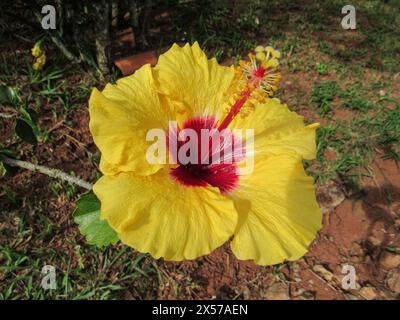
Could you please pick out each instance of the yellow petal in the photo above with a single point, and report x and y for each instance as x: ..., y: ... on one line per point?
x: 278, y: 212
x: 120, y: 118
x: 36, y: 50
x: 157, y: 215
x: 277, y: 130
x: 192, y: 84
x: 36, y: 66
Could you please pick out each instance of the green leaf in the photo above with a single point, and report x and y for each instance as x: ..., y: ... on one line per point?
x: 29, y: 115
x: 87, y: 215
x: 26, y: 127
x: 5, y: 169
x: 9, y: 96
x: 26, y: 131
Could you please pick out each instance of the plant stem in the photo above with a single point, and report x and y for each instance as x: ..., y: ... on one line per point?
x: 102, y: 40
x: 54, y: 173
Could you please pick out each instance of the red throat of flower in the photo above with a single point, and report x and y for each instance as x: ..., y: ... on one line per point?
x: 257, y: 74
x: 221, y: 174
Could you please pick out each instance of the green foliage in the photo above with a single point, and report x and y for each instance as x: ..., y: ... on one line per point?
x: 384, y: 128
x: 87, y: 215
x: 323, y: 95
x: 9, y: 95
x: 354, y: 100
x: 322, y: 68
x: 224, y: 27
x: 325, y: 135
x: 5, y: 169
x: 26, y: 127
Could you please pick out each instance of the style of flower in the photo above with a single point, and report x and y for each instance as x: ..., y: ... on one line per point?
x: 184, y: 211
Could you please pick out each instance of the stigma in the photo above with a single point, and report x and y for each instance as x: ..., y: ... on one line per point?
x: 256, y: 79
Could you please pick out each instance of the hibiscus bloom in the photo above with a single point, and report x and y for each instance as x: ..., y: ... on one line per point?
x: 183, y: 211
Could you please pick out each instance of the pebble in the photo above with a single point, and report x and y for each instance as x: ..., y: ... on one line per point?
x: 278, y: 291
x: 323, y: 272
x: 389, y: 261
x: 368, y: 293
x: 393, y: 281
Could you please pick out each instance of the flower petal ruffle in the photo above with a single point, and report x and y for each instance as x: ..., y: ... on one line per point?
x: 278, y: 212
x: 277, y: 130
x: 157, y: 215
x: 191, y: 83
x: 120, y: 118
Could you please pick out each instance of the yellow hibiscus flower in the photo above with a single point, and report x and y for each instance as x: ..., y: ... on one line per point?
x: 183, y: 211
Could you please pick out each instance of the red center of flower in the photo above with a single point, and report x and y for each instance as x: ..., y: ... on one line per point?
x: 259, y: 72
x: 214, y: 154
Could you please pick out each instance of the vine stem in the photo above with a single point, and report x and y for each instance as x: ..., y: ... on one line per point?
x: 54, y: 173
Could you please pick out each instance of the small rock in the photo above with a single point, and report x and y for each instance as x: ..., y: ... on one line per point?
x: 375, y: 242
x: 368, y: 293
x: 389, y: 261
x: 382, y: 93
x: 393, y: 281
x: 355, y: 259
x: 356, y: 250
x: 246, y: 293
x: 329, y: 196
x: 323, y: 272
x: 349, y: 296
x: 307, y: 295
x: 278, y: 291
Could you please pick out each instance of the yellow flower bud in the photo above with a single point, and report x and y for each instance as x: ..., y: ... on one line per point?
x: 36, y: 50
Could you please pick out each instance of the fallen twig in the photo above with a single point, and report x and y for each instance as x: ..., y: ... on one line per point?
x: 54, y: 173
x: 6, y: 115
